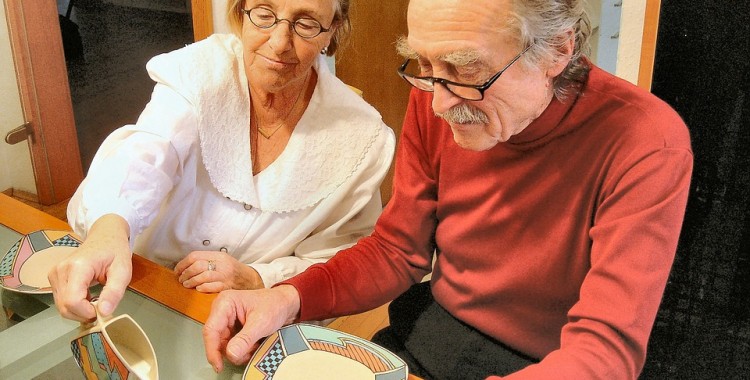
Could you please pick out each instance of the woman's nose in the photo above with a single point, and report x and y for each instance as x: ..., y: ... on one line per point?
x: 282, y: 35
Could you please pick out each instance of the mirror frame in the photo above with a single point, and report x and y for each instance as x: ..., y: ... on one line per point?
x: 648, y: 47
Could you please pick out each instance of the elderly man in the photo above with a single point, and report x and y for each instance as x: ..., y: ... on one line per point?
x: 550, y: 192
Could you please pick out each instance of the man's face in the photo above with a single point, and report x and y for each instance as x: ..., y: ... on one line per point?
x: 463, y: 41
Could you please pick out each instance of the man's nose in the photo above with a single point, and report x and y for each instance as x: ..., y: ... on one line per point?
x: 443, y: 99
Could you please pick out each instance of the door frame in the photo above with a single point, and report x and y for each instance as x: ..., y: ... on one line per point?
x: 36, y: 43
x: 648, y: 44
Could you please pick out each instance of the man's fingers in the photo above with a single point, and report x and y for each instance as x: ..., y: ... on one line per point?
x: 215, y: 340
x: 217, y: 330
x: 227, y: 312
x: 241, y: 346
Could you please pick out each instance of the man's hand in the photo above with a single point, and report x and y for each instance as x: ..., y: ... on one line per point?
x: 259, y: 313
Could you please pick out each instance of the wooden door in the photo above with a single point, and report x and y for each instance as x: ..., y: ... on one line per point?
x: 369, y: 62
x: 45, y: 97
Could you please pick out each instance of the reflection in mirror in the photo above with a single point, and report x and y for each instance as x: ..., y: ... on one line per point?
x: 107, y: 44
x: 623, y: 37
x: 605, y: 32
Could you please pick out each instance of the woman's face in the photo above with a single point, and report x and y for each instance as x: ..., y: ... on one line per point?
x: 277, y: 57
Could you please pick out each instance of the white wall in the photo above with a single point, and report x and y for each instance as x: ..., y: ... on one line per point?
x: 631, y: 39
x: 218, y: 11
x: 15, y: 160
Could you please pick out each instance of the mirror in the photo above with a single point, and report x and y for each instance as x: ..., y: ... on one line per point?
x: 623, y: 37
x: 605, y: 32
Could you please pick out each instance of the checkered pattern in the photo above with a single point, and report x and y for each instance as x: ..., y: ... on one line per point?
x: 66, y: 241
x: 271, y: 360
x: 76, y: 352
x: 6, y: 265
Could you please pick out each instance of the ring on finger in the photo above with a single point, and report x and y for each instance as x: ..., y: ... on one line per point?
x: 211, y: 265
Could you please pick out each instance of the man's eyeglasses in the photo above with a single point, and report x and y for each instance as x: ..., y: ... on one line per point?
x: 264, y: 18
x: 462, y: 90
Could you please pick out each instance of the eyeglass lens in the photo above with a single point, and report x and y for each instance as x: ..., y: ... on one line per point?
x: 264, y: 18
x: 465, y: 91
x: 468, y: 92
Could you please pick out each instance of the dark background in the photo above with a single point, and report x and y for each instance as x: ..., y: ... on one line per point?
x: 702, y: 330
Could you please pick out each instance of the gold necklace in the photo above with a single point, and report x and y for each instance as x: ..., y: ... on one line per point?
x: 263, y: 131
x: 269, y: 132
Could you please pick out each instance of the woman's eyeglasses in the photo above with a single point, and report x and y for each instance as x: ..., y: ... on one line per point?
x: 265, y: 18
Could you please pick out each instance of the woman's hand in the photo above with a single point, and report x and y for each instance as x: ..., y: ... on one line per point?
x: 103, y: 257
x: 212, y: 272
x: 259, y: 312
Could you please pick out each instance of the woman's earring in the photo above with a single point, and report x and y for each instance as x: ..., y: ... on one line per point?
x: 324, y: 51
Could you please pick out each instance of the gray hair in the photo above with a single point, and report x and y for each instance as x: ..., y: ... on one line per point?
x: 340, y: 20
x: 547, y: 24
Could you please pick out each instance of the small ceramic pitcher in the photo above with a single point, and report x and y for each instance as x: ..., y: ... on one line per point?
x: 114, y: 348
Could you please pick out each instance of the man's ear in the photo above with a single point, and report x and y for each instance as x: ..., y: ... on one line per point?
x: 563, y: 58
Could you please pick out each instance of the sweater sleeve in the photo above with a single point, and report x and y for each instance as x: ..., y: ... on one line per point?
x: 397, y: 255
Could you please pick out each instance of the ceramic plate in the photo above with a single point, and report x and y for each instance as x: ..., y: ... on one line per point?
x: 302, y: 351
x: 25, y: 266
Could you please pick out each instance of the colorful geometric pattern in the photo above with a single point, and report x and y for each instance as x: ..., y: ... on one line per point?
x: 353, y: 350
x: 271, y: 360
x: 96, y: 358
x: 6, y: 264
x: 13, y: 260
x: 66, y: 241
x: 296, y: 339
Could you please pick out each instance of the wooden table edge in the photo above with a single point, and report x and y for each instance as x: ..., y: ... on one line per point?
x: 148, y: 279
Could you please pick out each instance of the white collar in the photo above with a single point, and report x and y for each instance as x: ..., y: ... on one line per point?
x: 326, y: 147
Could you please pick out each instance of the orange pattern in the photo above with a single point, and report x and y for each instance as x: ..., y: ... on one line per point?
x: 353, y: 350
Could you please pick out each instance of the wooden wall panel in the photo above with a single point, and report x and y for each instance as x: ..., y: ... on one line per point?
x: 202, y: 18
x: 369, y: 62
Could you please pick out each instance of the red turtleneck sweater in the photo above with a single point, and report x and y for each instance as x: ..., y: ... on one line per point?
x: 557, y: 243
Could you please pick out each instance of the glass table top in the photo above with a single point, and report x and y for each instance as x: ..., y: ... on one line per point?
x: 35, y: 339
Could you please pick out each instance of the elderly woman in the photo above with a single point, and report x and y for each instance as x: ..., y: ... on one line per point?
x: 250, y: 163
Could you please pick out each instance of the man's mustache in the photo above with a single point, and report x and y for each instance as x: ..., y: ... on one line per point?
x: 464, y: 114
